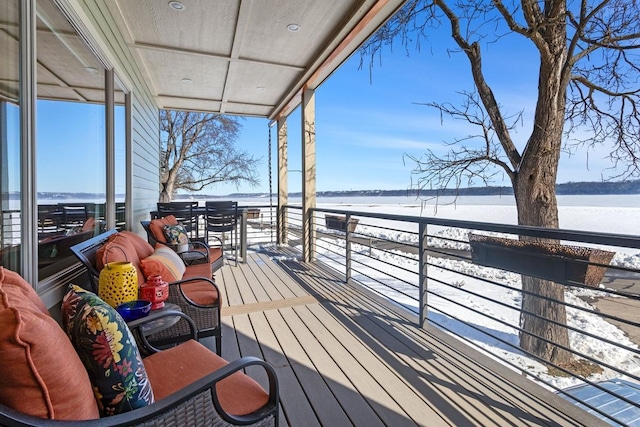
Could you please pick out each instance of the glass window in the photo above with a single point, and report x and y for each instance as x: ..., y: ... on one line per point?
x: 70, y: 132
x: 120, y: 158
x: 9, y: 135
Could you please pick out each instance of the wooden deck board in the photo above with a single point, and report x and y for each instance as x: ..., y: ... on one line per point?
x: 257, y: 285
x: 236, y: 274
x: 330, y: 341
x: 323, y: 402
x: 382, y: 338
x: 345, y: 356
x: 444, y: 372
x: 284, y: 279
x: 228, y: 287
x: 269, y: 279
x: 290, y: 389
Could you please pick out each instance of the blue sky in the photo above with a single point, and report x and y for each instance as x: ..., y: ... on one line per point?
x: 365, y: 122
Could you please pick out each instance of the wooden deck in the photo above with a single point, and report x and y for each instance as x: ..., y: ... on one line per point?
x: 346, y: 357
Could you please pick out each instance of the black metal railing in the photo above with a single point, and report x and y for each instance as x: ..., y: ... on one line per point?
x: 466, y: 278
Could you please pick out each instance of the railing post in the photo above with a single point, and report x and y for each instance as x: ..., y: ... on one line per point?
x: 309, y: 232
x: 422, y: 274
x: 282, y: 225
x: 347, y: 274
x: 243, y: 232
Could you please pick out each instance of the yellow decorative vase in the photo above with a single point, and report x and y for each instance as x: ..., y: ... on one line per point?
x: 118, y: 283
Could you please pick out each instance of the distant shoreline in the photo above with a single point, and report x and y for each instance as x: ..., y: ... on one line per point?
x: 570, y: 188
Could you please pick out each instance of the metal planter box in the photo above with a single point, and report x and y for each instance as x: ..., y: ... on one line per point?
x: 337, y: 222
x: 253, y: 213
x: 559, y: 263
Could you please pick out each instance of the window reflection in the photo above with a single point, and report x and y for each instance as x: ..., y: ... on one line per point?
x: 9, y: 135
x: 70, y: 129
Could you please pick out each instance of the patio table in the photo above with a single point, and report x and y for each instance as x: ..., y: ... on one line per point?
x: 242, y: 215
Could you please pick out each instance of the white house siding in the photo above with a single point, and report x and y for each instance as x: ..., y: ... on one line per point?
x: 145, y: 121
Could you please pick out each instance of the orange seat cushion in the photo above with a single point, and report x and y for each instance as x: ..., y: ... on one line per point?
x: 201, y: 292
x: 197, y: 270
x: 175, y: 368
x: 215, y: 254
x: 41, y: 373
x: 157, y: 227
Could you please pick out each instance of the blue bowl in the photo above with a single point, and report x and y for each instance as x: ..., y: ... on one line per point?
x: 133, y: 310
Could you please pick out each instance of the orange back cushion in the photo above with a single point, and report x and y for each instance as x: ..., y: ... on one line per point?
x: 157, y: 227
x: 164, y: 262
x: 142, y: 247
x: 118, y: 249
x: 41, y: 373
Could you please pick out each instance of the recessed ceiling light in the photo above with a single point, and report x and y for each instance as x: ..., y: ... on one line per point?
x: 92, y: 70
x: 176, y: 5
x: 293, y: 27
x: 186, y: 80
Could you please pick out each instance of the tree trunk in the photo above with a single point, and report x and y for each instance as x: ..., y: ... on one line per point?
x: 167, y: 192
x: 164, y: 197
x: 168, y: 187
x: 535, y: 191
x: 537, y: 206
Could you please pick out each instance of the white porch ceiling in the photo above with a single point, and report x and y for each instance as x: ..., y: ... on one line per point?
x: 239, y: 55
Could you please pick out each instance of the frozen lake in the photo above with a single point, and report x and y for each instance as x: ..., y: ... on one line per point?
x: 604, y: 213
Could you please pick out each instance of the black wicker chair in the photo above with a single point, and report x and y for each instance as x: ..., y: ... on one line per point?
x: 206, y: 317
x: 197, y: 404
x: 198, y: 251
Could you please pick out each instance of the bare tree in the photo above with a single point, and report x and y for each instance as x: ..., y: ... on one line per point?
x: 587, y: 80
x: 198, y: 149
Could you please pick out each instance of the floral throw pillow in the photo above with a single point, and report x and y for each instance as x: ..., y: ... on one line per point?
x: 177, y: 235
x: 108, y: 351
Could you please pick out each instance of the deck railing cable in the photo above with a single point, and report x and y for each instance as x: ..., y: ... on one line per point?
x: 383, y: 252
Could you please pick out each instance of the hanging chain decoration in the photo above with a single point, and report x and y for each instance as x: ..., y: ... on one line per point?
x: 270, y: 189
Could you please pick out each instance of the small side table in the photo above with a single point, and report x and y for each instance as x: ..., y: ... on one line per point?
x: 163, y: 323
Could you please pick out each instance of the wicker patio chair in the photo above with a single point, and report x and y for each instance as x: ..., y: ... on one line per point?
x: 198, y: 251
x: 197, y: 397
x: 206, y: 317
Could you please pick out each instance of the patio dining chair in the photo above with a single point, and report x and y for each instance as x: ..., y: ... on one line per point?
x: 73, y: 214
x: 222, y: 217
x: 49, y: 220
x: 185, y: 212
x: 121, y: 221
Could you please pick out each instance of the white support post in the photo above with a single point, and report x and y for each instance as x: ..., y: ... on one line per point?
x: 308, y: 174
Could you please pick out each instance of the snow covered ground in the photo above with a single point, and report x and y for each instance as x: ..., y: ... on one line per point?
x: 468, y: 306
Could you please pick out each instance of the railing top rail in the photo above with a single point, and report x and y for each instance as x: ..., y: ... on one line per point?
x: 256, y: 206
x: 623, y: 240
